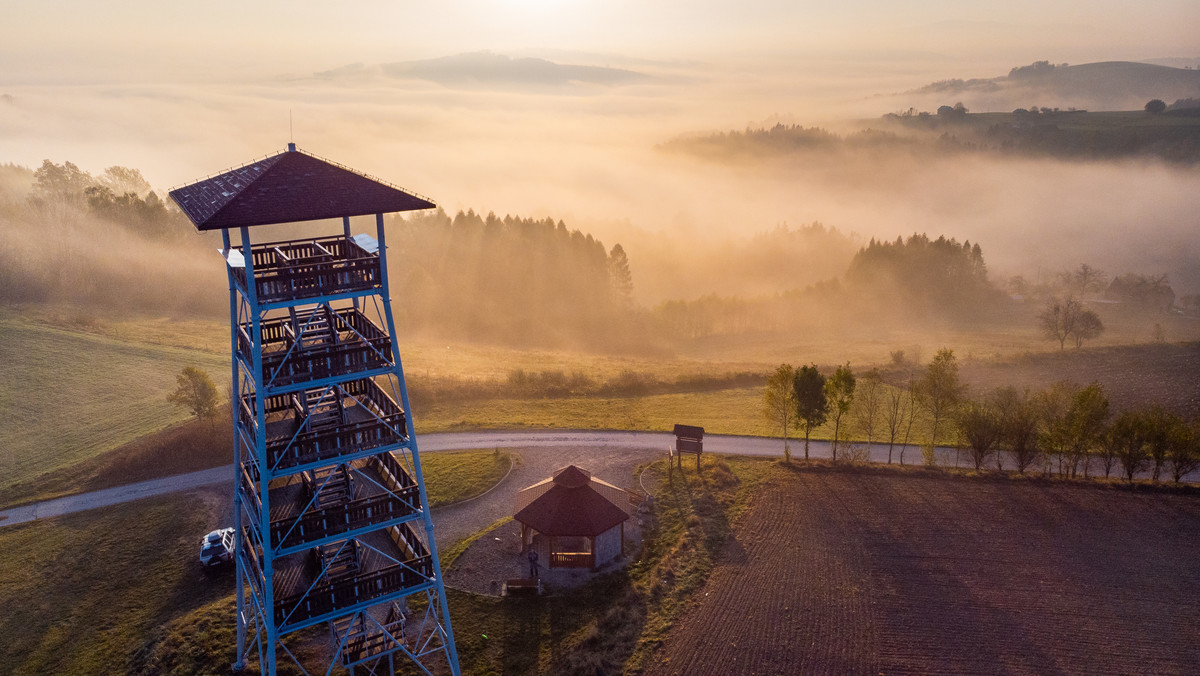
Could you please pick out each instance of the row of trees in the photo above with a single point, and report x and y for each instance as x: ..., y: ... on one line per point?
x: 1064, y: 429
x: 512, y: 279
x: 119, y: 195
x: 1068, y: 429
x: 1134, y: 291
x: 805, y: 399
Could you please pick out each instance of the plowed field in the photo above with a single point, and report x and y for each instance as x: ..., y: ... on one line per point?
x: 868, y: 573
x: 1132, y: 375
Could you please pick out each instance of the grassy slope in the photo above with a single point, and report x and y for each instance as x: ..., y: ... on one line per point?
x: 81, y: 591
x: 71, y: 395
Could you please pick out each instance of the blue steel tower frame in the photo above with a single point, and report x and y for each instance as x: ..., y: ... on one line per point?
x: 331, y: 514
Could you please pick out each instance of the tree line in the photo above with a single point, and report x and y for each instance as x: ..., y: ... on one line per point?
x: 914, y: 278
x: 1064, y: 430
x: 512, y: 279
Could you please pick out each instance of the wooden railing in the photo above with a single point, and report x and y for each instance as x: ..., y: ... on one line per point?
x: 364, y: 642
x: 571, y: 559
x: 407, y: 541
x: 282, y: 367
x: 342, y: 593
x: 321, y: 523
x: 307, y: 268
x: 386, y: 426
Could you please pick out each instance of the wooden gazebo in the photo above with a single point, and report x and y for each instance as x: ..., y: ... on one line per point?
x: 573, y: 519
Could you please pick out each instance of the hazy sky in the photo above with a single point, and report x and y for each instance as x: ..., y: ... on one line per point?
x: 183, y: 90
x: 90, y: 41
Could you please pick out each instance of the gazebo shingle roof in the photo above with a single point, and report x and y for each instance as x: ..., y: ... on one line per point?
x: 289, y: 187
x: 571, y: 507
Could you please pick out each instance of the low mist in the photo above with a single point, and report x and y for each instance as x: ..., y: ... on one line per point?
x: 597, y: 151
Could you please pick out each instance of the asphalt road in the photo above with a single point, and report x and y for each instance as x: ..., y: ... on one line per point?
x: 551, y: 448
x: 639, y: 445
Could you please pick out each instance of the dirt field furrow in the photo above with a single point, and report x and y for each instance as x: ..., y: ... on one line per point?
x: 866, y: 573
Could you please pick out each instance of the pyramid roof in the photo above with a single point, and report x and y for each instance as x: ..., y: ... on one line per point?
x: 572, y: 506
x: 289, y: 187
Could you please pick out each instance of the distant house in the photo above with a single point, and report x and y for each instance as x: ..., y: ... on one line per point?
x: 573, y: 519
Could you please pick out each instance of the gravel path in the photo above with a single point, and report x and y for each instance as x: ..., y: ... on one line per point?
x: 610, y: 455
x: 600, y: 449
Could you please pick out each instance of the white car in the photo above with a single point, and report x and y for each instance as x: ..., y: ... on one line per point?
x: 217, y: 548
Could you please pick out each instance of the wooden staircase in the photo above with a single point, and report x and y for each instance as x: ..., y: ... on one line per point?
x: 338, y: 561
x: 315, y: 329
x: 324, y: 409
x: 363, y: 642
x: 337, y: 491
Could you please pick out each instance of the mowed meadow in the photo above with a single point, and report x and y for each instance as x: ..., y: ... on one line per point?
x: 68, y: 395
x: 78, y: 386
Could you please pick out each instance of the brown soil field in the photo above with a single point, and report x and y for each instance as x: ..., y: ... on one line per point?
x: 1133, y: 375
x: 844, y: 572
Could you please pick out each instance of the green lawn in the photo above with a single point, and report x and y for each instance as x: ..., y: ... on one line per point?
x: 735, y: 411
x: 67, y: 396
x: 95, y: 592
x: 81, y: 592
x: 462, y: 475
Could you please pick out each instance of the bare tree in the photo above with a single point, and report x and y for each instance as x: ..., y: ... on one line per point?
x: 1057, y: 320
x: 896, y: 406
x: 779, y: 403
x: 1087, y: 279
x: 869, y: 401
x: 839, y: 392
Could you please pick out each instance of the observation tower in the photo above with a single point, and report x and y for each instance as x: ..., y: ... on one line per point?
x: 331, y: 517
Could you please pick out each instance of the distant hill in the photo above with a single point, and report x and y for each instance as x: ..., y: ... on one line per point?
x: 1173, y: 136
x: 1108, y: 85
x: 492, y: 71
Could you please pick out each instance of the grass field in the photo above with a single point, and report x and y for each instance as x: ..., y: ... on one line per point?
x: 736, y: 411
x: 69, y: 395
x: 81, y: 592
x: 75, y: 388
x: 462, y: 475
x: 96, y: 592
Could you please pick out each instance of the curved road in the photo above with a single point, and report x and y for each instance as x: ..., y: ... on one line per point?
x: 546, y: 450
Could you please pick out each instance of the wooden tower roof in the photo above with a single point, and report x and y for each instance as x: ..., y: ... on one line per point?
x: 289, y: 187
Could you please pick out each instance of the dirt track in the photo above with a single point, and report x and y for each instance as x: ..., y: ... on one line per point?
x: 836, y: 572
